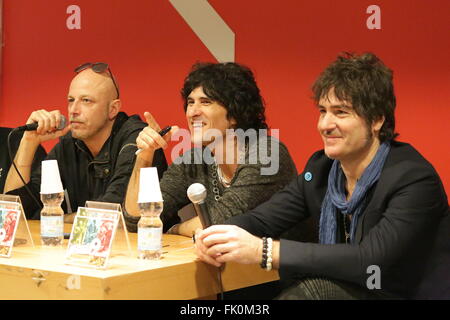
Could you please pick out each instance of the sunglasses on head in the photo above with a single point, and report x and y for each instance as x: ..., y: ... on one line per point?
x: 98, y: 67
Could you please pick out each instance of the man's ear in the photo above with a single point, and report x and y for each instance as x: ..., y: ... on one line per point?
x: 233, y: 123
x: 114, y: 108
x: 377, y: 124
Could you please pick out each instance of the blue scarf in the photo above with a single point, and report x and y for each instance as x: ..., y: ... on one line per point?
x: 335, y: 198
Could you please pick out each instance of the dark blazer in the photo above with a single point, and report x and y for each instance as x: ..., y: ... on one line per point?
x: 397, y: 229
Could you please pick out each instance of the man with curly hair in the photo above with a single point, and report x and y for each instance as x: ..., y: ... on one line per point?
x: 226, y: 120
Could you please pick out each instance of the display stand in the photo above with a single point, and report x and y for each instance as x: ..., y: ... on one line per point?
x: 98, y: 233
x: 14, y: 230
x: 121, y: 242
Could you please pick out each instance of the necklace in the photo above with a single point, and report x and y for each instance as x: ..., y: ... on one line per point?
x: 226, y: 183
x: 216, y: 174
x: 215, y: 183
x: 346, y: 232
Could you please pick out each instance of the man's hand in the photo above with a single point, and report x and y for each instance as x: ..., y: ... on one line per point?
x: 223, y: 243
x: 48, y: 122
x: 149, y: 139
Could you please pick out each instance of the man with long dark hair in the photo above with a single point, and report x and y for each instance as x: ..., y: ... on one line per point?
x: 221, y: 101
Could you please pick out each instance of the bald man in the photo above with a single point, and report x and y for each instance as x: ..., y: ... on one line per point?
x: 96, y: 150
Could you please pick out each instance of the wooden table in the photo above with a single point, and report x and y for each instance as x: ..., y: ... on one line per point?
x: 41, y: 273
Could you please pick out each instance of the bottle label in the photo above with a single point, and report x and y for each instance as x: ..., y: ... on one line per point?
x: 149, y: 239
x: 52, y: 226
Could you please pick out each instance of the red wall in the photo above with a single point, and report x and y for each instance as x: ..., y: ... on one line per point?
x: 150, y: 49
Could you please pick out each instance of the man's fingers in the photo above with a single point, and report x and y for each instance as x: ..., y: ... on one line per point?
x: 141, y: 143
x: 200, y: 252
x: 57, y: 118
x: 47, y: 121
x: 151, y: 121
x: 209, y: 260
x: 152, y: 138
x: 43, y: 121
x: 213, y: 229
x: 216, y: 238
x: 226, y: 257
x: 219, y: 249
x: 52, y: 120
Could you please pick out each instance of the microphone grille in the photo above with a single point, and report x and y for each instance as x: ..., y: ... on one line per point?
x: 196, y: 192
x: 62, y: 122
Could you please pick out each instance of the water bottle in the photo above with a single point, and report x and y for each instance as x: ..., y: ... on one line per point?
x: 52, y: 219
x: 150, y: 229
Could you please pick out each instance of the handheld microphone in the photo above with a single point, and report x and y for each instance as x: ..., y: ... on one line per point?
x: 33, y: 126
x: 197, y: 194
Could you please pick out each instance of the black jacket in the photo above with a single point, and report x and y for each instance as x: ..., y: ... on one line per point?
x: 103, y: 178
x: 5, y: 162
x: 397, y: 230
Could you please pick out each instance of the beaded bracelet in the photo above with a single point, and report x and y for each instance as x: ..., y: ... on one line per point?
x: 266, y: 262
x: 269, y: 254
x: 264, y: 253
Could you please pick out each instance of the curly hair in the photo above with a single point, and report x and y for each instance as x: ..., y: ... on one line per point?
x: 365, y: 82
x: 234, y: 87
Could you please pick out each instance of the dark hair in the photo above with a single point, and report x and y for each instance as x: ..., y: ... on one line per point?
x: 234, y: 87
x: 365, y: 82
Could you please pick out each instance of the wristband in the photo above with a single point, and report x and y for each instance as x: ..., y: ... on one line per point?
x: 269, y: 254
x: 264, y: 253
x: 266, y: 261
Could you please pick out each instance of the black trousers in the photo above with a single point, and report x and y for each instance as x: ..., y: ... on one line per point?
x: 318, y: 288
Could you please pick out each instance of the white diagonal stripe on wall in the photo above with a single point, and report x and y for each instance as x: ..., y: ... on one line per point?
x: 208, y: 26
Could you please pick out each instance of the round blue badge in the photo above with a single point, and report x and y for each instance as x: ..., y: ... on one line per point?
x: 308, y: 176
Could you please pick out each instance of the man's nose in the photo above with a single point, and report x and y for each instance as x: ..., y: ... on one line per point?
x: 74, y: 108
x: 193, y: 110
x: 327, y: 122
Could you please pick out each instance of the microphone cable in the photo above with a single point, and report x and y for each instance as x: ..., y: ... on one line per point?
x: 219, y: 273
x: 17, y: 170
